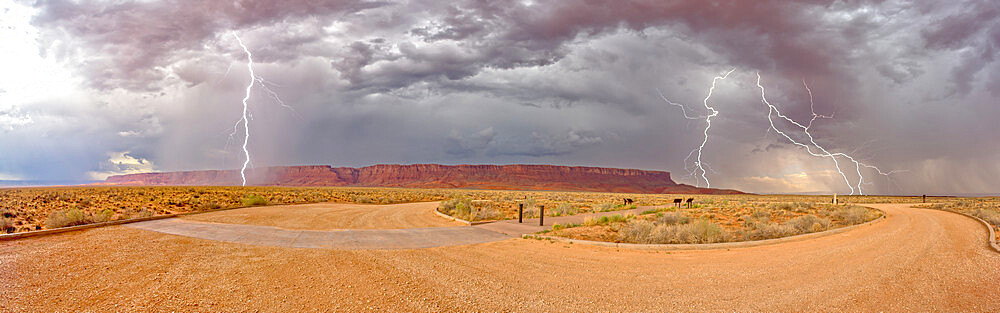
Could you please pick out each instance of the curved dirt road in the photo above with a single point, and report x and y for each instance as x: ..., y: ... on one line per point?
x: 328, y: 216
x: 914, y: 260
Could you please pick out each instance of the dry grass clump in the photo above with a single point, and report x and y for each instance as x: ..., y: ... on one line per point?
x: 721, y: 221
x: 853, y: 215
x: 74, y: 217
x: 6, y: 225
x: 990, y: 216
x: 461, y: 207
x: 252, y: 200
x: 645, y: 231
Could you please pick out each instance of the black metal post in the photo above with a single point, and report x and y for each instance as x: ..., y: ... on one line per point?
x: 520, y: 212
x: 541, y: 215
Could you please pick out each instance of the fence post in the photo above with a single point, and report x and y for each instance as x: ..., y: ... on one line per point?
x: 541, y: 215
x: 520, y: 212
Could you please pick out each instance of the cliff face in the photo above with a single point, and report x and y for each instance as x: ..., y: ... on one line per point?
x: 510, y: 177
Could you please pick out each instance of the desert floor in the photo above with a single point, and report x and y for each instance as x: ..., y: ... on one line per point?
x: 913, y: 260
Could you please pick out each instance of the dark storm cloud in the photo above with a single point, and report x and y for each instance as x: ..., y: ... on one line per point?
x: 125, y: 43
x: 564, y: 82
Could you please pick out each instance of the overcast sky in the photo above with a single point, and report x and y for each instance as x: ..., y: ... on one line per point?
x: 93, y: 88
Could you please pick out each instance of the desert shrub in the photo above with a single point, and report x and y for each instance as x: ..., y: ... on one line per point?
x: 703, y: 231
x: 761, y: 230
x: 990, y: 216
x: 643, y: 231
x: 563, y: 209
x: 253, y: 200
x: 483, y: 214
x: 591, y: 221
x: 853, y: 215
x: 672, y: 218
x: 616, y: 218
x: 69, y: 217
x: 636, y: 231
x: 207, y: 206
x: 604, y: 207
x: 6, y: 226
x: 809, y: 223
x: 761, y: 215
x: 461, y: 207
x: 143, y: 213
x: 564, y: 226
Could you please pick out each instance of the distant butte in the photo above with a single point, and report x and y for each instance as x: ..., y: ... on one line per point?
x: 502, y: 177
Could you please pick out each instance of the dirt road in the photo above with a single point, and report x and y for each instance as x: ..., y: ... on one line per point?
x: 325, y: 216
x: 914, y: 260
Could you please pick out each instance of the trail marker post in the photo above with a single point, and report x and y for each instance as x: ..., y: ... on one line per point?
x: 541, y: 215
x: 520, y: 213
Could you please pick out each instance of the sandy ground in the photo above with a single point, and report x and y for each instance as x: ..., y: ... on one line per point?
x: 914, y: 260
x: 326, y: 216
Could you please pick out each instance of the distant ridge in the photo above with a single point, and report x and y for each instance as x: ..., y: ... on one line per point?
x: 502, y: 177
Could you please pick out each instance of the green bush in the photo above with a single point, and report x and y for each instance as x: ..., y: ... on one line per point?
x: 253, y: 200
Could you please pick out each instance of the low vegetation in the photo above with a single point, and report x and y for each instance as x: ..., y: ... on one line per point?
x: 461, y: 207
x: 30, y: 208
x: 714, y: 223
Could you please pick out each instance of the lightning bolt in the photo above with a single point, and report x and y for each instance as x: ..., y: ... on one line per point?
x: 822, y: 152
x: 245, y: 120
x: 712, y: 112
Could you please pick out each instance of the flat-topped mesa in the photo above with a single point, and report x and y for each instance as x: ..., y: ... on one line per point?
x: 507, y: 177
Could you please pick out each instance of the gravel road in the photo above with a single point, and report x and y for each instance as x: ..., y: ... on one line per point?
x: 914, y: 260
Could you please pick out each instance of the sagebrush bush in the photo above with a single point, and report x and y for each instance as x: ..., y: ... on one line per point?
x: 563, y: 209
x: 461, y: 207
x: 64, y: 218
x: 643, y: 231
x: 990, y: 216
x: 207, y: 206
x: 853, y: 215
x: 766, y: 230
x: 254, y: 200
x: 809, y: 223
x: 636, y: 231
x: 671, y: 218
x: 6, y: 226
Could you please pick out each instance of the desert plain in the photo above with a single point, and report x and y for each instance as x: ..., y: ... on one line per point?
x: 344, y: 253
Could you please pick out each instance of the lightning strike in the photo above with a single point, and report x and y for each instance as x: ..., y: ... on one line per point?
x: 712, y: 112
x: 822, y: 152
x: 244, y: 120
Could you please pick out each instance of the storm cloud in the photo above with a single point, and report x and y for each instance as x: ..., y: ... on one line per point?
x: 911, y: 87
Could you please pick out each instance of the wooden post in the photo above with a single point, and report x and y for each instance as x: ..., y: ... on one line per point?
x: 925, y: 199
x: 834, y: 198
x: 541, y: 215
x: 520, y: 212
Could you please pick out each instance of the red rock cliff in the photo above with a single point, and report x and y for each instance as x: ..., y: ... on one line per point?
x: 511, y: 177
